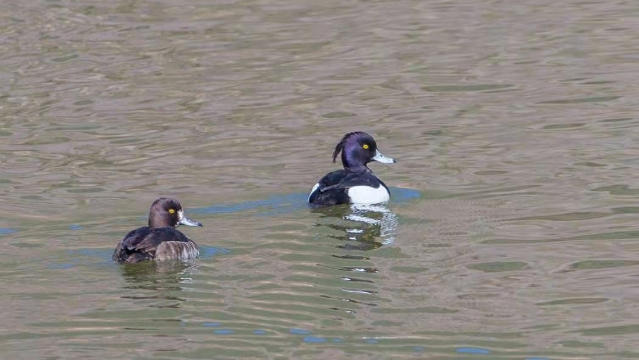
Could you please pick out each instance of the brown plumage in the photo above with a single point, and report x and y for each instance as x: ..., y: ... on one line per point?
x: 159, y: 240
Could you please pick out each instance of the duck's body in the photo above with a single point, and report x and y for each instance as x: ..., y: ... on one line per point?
x: 347, y: 186
x: 356, y: 183
x: 160, y: 240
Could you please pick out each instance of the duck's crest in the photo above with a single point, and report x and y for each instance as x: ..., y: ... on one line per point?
x: 340, y: 145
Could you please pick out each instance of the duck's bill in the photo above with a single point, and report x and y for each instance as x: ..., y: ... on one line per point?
x: 383, y: 159
x: 188, y: 222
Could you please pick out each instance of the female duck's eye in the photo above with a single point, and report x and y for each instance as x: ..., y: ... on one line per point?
x: 171, y: 211
x: 365, y: 146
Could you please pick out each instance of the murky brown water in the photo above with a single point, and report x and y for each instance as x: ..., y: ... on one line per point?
x: 513, y: 229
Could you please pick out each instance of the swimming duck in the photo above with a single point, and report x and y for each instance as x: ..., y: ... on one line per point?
x: 160, y: 240
x: 356, y: 184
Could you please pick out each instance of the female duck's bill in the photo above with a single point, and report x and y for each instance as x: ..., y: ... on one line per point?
x: 356, y: 183
x: 159, y: 240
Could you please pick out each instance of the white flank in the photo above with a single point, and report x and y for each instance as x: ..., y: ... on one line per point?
x: 368, y: 195
x: 312, y: 191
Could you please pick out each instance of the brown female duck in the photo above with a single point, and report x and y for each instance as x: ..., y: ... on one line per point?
x: 160, y: 240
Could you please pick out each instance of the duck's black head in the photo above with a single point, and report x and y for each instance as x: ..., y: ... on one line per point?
x: 358, y: 149
x: 168, y: 212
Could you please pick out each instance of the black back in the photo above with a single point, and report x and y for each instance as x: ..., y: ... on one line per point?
x: 333, y: 187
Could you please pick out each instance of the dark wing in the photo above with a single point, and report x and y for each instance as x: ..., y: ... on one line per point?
x: 125, y: 251
x: 334, y: 195
x: 142, y: 244
x: 333, y: 187
x: 348, y: 179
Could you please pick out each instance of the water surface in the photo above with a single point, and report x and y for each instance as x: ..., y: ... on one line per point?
x: 512, y: 233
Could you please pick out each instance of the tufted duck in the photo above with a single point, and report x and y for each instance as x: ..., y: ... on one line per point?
x: 160, y: 240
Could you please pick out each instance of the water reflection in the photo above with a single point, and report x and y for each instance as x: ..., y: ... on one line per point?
x: 162, y: 278
x: 365, y: 227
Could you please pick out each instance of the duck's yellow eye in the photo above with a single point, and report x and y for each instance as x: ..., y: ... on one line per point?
x: 365, y: 146
x: 171, y: 211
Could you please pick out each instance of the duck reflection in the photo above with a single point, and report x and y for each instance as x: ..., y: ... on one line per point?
x: 160, y: 280
x: 363, y: 227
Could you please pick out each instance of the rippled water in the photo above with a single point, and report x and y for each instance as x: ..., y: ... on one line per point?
x: 512, y: 233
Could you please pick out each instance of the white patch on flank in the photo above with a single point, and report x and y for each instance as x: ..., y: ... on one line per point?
x: 368, y: 195
x: 312, y: 191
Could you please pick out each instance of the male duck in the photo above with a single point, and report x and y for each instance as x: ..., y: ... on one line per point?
x: 355, y: 184
x: 160, y: 240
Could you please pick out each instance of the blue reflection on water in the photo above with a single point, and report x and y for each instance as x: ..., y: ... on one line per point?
x: 7, y: 231
x: 207, y: 252
x: 273, y: 205
x: 401, y: 195
x: 314, y: 339
x: 299, y: 332
x: 472, y: 350
x: 211, y: 324
x: 288, y: 203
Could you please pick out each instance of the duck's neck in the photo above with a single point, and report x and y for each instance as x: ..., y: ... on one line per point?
x: 352, y: 163
x: 158, y: 221
x: 357, y: 168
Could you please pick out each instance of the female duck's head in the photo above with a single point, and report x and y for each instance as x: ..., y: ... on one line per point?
x: 166, y: 212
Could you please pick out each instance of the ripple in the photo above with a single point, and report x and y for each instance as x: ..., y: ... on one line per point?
x: 575, y: 301
x: 611, y: 330
x: 602, y: 236
x: 498, y: 266
x: 464, y: 88
x: 602, y: 264
x: 563, y: 126
x: 595, y: 99
x: 338, y: 114
x: 618, y: 190
x: 428, y: 310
